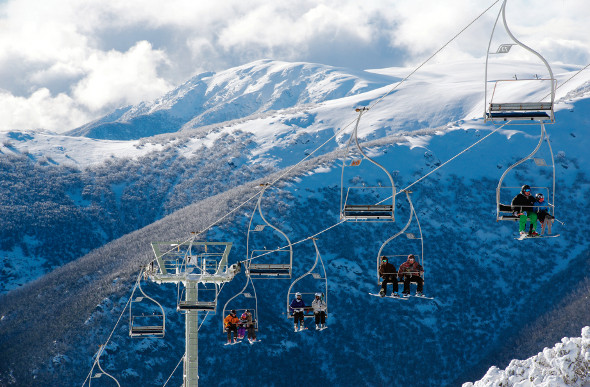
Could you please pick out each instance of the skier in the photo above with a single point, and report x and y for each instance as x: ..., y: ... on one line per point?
x: 522, y: 205
x: 388, y: 273
x: 319, y: 311
x: 297, y: 306
x: 541, y: 209
x: 411, y: 271
x: 250, y: 326
x: 242, y: 326
x: 231, y: 323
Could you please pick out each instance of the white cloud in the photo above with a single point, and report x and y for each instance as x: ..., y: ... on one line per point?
x: 115, y: 78
x: 40, y: 110
x: 105, y: 53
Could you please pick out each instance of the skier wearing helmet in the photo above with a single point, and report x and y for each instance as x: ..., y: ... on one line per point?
x: 297, y: 306
x: 522, y: 206
x: 389, y: 274
x: 319, y: 311
x: 231, y: 325
x: 541, y: 208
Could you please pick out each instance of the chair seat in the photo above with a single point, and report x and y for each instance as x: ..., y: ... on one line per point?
x: 377, y: 211
x: 204, y: 306
x: 520, y: 106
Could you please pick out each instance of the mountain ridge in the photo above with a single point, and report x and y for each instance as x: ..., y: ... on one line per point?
x: 210, y: 98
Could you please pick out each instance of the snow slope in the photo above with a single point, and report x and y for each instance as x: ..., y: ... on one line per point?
x: 566, y: 364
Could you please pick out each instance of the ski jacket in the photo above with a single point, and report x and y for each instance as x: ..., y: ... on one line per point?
x: 248, y: 320
x: 386, y: 269
x: 410, y: 269
x: 319, y: 305
x: 231, y: 320
x: 297, y: 305
x: 522, y: 203
x: 538, y: 206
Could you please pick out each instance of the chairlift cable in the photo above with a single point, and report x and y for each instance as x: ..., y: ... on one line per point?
x: 402, y: 190
x: 431, y: 172
x: 569, y: 79
x: 339, y: 131
x: 433, y: 55
x: 173, y: 371
x: 343, y: 128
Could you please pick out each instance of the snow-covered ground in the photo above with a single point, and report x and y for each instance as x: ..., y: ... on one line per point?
x: 567, y: 364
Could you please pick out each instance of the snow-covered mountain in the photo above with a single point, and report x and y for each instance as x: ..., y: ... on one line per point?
x: 487, y: 285
x: 240, y: 92
x: 566, y: 364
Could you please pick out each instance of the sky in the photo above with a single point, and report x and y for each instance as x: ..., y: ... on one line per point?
x: 64, y: 63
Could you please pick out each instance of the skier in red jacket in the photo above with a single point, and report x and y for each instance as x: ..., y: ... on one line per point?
x: 411, y: 271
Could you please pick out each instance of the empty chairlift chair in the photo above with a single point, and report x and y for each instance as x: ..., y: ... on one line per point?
x: 500, y: 108
x: 365, y: 203
x: 146, y: 316
x: 267, y: 263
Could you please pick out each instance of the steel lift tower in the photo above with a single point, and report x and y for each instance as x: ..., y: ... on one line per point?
x: 201, y: 267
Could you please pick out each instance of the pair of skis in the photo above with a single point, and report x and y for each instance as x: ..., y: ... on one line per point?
x: 527, y: 236
x: 307, y: 329
x: 404, y: 298
x: 238, y: 342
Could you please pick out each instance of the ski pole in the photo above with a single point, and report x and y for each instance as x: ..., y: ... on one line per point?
x: 562, y: 223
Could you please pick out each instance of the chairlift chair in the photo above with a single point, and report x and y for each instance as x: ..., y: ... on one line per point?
x: 146, y: 325
x: 268, y: 270
x: 419, y: 256
x: 210, y: 305
x: 319, y: 276
x: 259, y: 266
x: 250, y: 299
x: 375, y: 210
x: 517, y: 112
x: 503, y: 198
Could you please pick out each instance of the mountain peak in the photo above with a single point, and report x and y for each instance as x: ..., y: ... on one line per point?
x: 210, y: 98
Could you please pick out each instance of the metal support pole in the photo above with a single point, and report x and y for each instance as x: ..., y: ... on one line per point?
x: 191, y: 356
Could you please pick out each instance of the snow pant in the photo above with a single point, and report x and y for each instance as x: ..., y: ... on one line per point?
x: 523, y: 219
x: 241, y: 332
x: 389, y: 278
x: 297, y: 317
x: 320, y: 317
x: 252, y: 332
x: 546, y: 221
x: 229, y: 329
x: 415, y: 278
